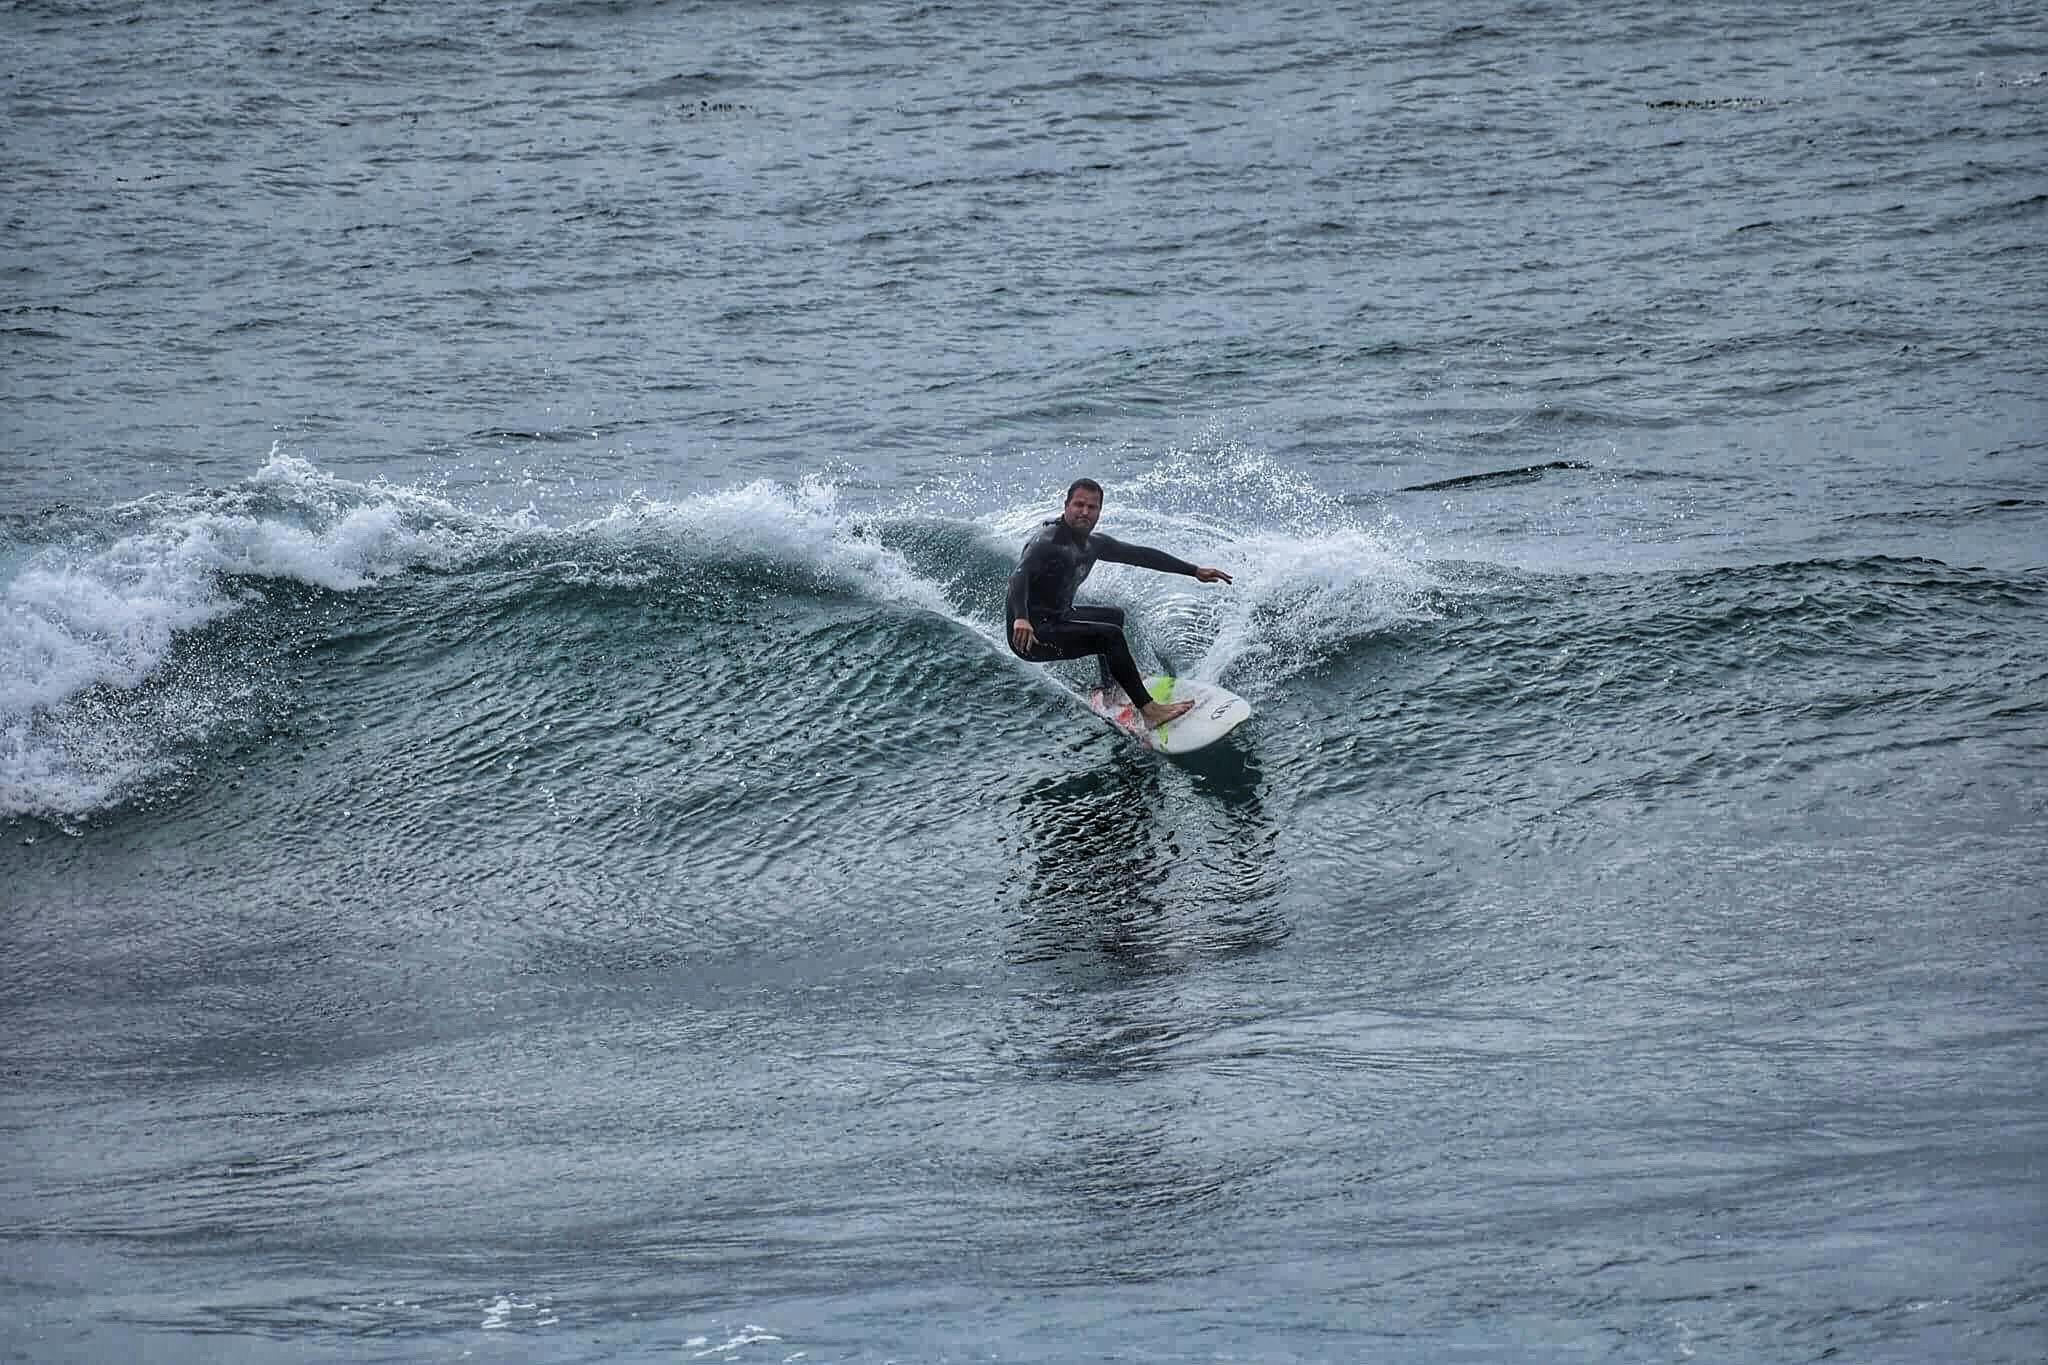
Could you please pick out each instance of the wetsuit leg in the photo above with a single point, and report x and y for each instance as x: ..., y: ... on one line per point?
x: 1110, y: 616
x: 1093, y: 630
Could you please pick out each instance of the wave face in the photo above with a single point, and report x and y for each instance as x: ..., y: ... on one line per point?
x: 156, y: 641
x: 143, y: 639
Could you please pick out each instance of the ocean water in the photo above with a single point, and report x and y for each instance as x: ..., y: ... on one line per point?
x: 520, y: 838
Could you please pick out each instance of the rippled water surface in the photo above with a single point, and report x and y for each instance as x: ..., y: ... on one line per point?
x: 520, y: 838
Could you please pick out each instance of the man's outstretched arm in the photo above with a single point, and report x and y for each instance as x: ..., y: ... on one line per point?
x: 1114, y: 551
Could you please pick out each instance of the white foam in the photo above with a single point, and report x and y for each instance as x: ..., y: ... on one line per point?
x: 749, y: 1335
x: 85, y: 615
x: 1309, y: 577
x: 1297, y: 600
x: 81, y: 618
x: 802, y: 527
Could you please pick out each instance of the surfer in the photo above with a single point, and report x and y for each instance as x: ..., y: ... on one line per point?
x: 1046, y: 625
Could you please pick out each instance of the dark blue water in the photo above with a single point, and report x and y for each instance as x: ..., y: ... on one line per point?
x: 520, y: 838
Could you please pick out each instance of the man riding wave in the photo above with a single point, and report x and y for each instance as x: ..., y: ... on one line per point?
x: 1046, y: 625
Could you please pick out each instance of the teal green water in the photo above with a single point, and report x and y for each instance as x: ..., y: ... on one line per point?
x: 520, y: 838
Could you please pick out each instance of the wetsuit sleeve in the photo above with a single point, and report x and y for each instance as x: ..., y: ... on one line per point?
x: 1144, y: 556
x: 1018, y: 603
x: 1018, y: 606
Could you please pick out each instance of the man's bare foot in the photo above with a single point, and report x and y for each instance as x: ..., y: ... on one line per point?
x: 1158, y: 713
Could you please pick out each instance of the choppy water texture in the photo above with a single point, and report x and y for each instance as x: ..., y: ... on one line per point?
x: 522, y: 839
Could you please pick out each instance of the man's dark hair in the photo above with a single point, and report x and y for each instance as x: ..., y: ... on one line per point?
x: 1089, y: 484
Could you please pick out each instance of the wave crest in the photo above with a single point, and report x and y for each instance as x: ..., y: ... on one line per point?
x: 103, y: 609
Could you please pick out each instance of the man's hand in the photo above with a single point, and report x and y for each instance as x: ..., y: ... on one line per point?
x: 1208, y: 575
x: 1023, y: 636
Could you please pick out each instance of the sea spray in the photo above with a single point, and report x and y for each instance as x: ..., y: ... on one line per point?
x: 95, y: 694
x: 1311, y: 574
x: 801, y: 532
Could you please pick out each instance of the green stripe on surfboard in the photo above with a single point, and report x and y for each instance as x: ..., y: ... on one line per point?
x: 1161, y: 689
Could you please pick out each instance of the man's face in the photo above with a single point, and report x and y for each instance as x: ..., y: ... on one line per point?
x: 1083, y: 508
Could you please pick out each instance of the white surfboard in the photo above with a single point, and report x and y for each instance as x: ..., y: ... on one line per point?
x: 1217, y: 711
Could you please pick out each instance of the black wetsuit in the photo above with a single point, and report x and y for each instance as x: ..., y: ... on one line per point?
x: 1055, y: 561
